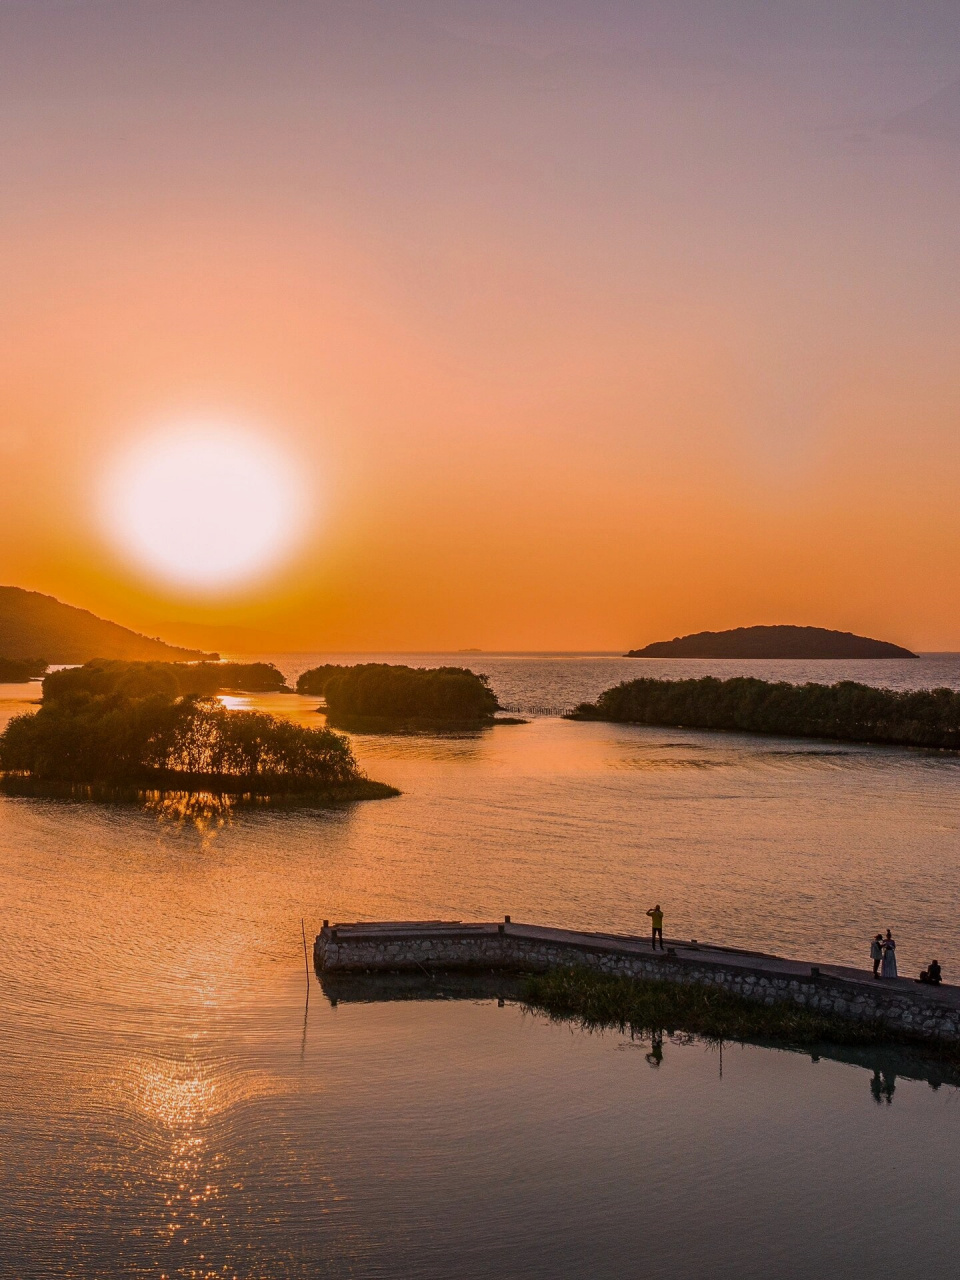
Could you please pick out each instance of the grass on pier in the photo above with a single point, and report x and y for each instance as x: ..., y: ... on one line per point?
x: 644, y: 1006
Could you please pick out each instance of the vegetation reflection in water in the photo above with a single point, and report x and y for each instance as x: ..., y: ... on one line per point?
x: 593, y: 1004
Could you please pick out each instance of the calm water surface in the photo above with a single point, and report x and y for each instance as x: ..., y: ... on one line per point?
x: 166, y: 1108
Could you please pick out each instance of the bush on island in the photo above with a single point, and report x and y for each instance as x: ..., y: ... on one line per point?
x: 314, y: 681
x: 847, y: 711
x: 20, y: 670
x: 138, y: 679
x: 374, y: 694
x: 145, y: 738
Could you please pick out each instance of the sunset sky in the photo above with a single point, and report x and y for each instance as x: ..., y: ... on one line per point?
x: 581, y: 324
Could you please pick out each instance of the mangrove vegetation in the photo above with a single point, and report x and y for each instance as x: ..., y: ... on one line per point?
x: 109, y: 732
x: 376, y: 696
x: 314, y: 681
x: 846, y: 711
x: 175, y: 678
x: 20, y: 670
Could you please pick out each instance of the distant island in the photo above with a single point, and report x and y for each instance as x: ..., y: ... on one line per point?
x: 115, y: 730
x: 35, y: 627
x: 846, y: 711
x: 20, y: 670
x: 772, y: 642
x: 379, y: 696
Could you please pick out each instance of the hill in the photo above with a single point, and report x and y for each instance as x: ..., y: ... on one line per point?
x: 35, y: 626
x: 772, y: 642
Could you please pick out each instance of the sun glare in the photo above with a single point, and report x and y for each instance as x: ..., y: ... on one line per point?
x: 206, y: 506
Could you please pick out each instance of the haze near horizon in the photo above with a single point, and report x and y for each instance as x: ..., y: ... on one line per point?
x: 580, y: 326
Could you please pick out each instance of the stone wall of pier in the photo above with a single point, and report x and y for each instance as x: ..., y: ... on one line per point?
x: 913, y: 1013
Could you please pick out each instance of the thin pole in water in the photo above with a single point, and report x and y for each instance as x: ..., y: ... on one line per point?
x: 306, y: 962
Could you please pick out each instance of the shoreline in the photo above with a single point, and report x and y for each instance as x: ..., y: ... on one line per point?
x: 195, y: 790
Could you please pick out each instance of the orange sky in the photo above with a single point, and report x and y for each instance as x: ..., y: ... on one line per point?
x: 589, y: 324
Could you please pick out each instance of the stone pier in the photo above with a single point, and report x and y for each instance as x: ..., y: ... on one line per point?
x: 906, y: 1007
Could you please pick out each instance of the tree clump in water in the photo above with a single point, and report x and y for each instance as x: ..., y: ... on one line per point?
x: 120, y: 725
x: 845, y: 711
x: 380, y: 695
x: 314, y: 681
x: 20, y: 670
x: 105, y: 675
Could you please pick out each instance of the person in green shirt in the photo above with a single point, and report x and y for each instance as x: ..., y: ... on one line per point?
x: 656, y: 921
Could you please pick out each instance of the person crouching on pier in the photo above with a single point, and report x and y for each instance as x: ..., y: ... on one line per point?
x: 932, y: 975
x: 876, y: 954
x: 656, y: 923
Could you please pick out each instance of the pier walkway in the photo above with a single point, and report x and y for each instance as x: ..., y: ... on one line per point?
x: 900, y: 1003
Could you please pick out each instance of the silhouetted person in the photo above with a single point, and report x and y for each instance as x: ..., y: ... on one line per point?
x: 883, y: 1086
x: 876, y: 954
x: 932, y: 974
x: 655, y: 1056
x: 656, y: 923
x: 888, y: 965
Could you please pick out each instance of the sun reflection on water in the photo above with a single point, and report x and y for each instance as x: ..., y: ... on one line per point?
x: 174, y: 1094
x: 181, y: 1099
x: 180, y: 1114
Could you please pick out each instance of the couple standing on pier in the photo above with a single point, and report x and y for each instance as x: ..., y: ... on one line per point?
x: 883, y: 953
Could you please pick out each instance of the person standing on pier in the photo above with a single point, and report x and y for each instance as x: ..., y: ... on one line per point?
x: 656, y: 922
x: 888, y: 967
x: 876, y: 954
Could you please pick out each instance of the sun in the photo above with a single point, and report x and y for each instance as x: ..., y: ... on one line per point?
x: 202, y: 505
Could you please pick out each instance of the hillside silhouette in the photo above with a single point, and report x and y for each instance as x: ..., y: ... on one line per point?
x: 35, y: 626
x: 772, y: 642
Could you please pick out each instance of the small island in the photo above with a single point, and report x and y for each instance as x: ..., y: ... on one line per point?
x: 115, y: 730
x: 846, y: 711
x: 382, y: 697
x: 20, y: 670
x: 178, y: 679
x: 772, y: 642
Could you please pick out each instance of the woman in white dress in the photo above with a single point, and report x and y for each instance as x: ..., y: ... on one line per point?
x: 888, y: 965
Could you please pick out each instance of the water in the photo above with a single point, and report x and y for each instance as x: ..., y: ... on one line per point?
x: 565, y: 679
x: 166, y: 1108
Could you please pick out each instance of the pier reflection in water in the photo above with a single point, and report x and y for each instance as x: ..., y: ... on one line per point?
x: 884, y: 1064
